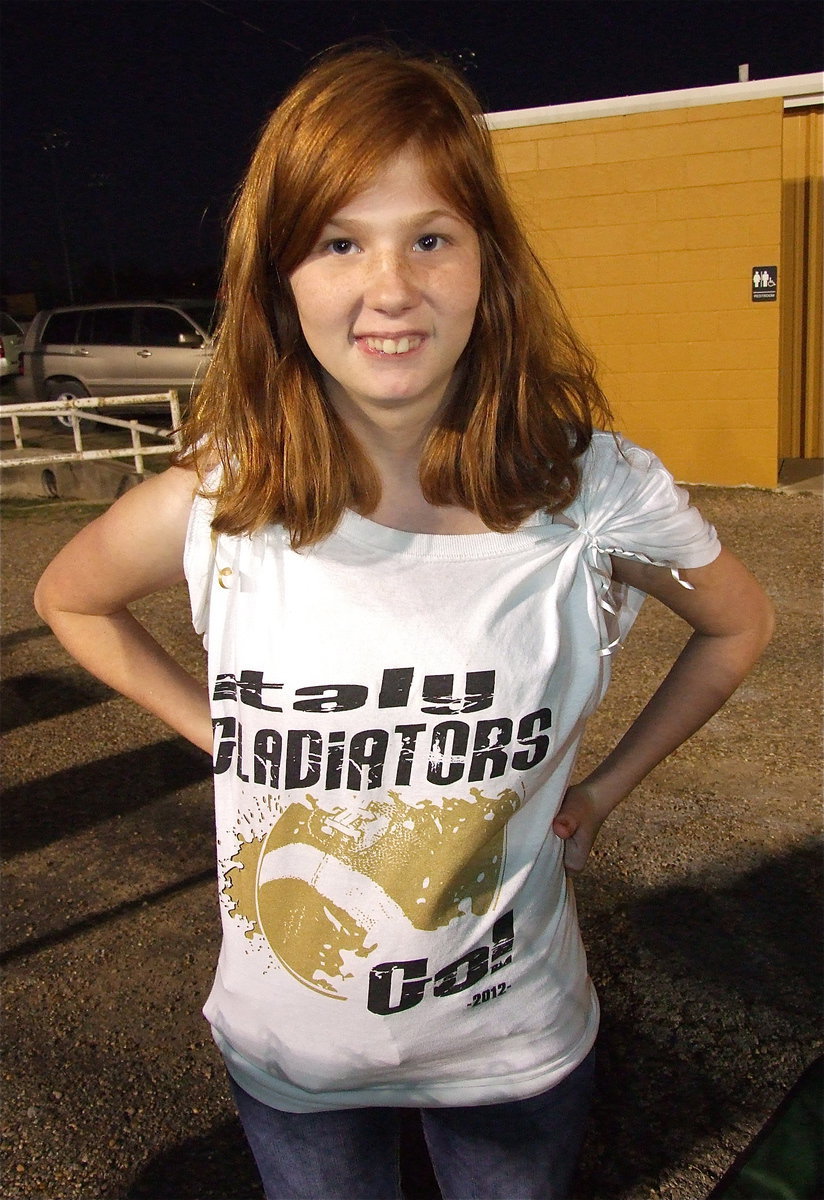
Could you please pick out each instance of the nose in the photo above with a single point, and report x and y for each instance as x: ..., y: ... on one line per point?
x: 390, y: 286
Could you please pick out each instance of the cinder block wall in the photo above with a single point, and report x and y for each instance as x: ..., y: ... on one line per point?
x: 651, y: 224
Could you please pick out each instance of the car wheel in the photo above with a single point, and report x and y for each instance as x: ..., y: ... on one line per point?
x: 64, y: 389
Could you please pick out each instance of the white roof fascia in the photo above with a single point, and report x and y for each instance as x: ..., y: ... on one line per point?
x: 797, y: 90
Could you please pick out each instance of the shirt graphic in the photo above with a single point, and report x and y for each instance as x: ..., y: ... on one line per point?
x: 321, y: 870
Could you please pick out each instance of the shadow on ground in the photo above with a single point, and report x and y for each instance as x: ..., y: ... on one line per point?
x: 215, y: 1166
x: 46, y: 810
x: 762, y: 934
x: 39, y: 696
x: 681, y: 1060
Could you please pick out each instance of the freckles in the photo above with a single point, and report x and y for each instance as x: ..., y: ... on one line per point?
x: 314, y: 299
x: 461, y: 285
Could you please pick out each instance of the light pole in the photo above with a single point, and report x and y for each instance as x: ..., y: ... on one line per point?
x: 53, y: 141
x: 101, y: 183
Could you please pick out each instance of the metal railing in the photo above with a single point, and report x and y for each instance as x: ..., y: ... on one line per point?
x: 74, y: 413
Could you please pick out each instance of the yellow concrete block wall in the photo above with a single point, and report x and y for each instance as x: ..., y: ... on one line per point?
x: 651, y: 225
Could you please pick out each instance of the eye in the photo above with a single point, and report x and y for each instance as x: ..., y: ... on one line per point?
x: 430, y: 241
x: 340, y: 246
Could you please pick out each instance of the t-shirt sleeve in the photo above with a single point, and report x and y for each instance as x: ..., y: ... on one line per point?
x: 629, y: 505
x: 199, y: 559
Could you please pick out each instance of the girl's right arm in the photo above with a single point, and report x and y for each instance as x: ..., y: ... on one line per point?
x: 134, y: 549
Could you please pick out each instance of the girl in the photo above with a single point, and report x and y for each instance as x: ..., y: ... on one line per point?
x: 411, y: 551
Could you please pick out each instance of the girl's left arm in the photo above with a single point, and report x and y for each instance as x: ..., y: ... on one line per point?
x: 732, y: 622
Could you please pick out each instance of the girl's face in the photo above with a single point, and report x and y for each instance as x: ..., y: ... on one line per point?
x: 387, y: 297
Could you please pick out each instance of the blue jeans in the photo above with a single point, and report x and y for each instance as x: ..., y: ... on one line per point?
x: 521, y: 1150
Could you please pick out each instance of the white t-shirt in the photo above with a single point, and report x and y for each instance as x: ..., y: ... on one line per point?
x: 397, y: 716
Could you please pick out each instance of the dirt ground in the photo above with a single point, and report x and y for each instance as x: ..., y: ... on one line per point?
x: 701, y: 909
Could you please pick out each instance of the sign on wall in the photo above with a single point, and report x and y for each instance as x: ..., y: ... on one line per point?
x: 764, y: 283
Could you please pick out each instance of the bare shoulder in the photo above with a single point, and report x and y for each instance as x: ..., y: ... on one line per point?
x: 135, y: 548
x: 168, y: 492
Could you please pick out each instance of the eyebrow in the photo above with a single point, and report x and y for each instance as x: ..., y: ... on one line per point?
x: 416, y: 219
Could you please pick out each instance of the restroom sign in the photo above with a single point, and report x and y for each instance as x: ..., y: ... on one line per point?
x: 764, y: 283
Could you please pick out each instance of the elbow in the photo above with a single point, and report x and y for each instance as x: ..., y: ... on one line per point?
x: 43, y: 599
x: 767, y: 625
x: 753, y: 610
x: 761, y: 626
x: 39, y: 601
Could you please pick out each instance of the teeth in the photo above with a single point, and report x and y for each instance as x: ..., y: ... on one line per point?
x: 390, y: 346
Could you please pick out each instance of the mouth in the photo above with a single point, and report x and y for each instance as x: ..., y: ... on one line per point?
x: 391, y: 346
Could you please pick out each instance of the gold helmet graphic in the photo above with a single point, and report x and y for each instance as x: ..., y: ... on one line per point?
x: 329, y: 880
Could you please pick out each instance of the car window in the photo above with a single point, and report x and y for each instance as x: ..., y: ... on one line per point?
x: 9, y: 327
x: 163, y: 327
x: 61, y: 329
x: 108, y: 327
x: 204, y: 312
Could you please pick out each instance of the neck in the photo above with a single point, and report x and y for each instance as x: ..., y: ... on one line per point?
x: 393, y: 438
x: 395, y: 453
x: 394, y: 448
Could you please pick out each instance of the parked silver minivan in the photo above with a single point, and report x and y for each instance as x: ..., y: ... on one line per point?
x: 118, y: 349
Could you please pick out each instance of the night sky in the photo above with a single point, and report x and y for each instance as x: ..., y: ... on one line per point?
x: 151, y: 107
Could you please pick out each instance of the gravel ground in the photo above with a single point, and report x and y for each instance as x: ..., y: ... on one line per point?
x: 701, y: 909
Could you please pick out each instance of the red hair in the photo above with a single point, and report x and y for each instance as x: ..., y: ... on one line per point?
x: 528, y: 399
